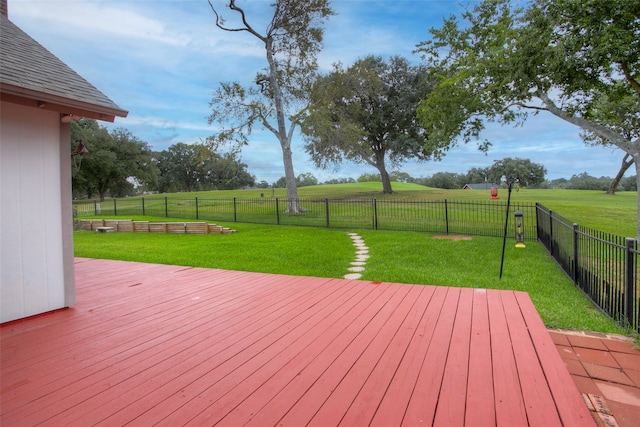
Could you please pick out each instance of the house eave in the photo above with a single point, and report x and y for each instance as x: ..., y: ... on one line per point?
x: 47, y: 101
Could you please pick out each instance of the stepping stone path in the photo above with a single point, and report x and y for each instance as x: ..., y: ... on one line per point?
x: 362, y: 255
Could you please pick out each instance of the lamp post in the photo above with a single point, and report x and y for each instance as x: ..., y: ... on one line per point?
x: 509, y: 181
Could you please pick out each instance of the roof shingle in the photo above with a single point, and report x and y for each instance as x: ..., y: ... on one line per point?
x: 29, y: 70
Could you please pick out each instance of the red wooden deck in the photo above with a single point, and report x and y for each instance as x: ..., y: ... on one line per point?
x: 156, y: 344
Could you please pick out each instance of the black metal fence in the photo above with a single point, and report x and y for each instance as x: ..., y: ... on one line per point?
x: 603, y: 265
x: 437, y: 216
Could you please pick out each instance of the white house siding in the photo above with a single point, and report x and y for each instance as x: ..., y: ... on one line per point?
x: 34, y: 251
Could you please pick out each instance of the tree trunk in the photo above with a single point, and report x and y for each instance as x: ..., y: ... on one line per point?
x: 627, y: 161
x: 386, y: 182
x: 384, y: 175
x: 283, y: 136
x: 290, y: 180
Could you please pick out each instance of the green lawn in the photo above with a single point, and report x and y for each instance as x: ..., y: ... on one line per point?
x: 303, y: 251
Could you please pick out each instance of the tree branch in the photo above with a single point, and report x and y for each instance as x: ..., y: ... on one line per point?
x: 529, y: 107
x: 631, y: 79
x: 248, y: 28
x: 588, y: 125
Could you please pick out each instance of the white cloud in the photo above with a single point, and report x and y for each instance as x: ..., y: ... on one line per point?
x: 154, y: 122
x: 91, y: 17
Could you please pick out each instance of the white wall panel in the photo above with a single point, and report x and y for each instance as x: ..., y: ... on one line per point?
x: 32, y: 273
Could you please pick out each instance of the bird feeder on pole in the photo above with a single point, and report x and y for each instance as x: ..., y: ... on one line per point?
x: 519, y: 229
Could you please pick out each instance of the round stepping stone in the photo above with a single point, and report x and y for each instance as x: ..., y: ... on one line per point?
x: 362, y: 257
x: 353, y: 276
x: 362, y: 252
x: 356, y: 269
x: 358, y: 263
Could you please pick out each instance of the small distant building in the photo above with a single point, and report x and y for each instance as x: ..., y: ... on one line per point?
x: 39, y: 97
x: 481, y: 186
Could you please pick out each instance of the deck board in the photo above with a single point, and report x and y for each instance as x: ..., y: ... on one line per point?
x: 509, y: 403
x: 170, y: 345
x: 453, y: 392
x: 535, y: 391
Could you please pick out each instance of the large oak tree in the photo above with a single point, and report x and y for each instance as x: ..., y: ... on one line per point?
x: 578, y: 60
x: 367, y: 114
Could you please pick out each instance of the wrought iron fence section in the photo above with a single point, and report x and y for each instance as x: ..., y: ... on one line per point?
x: 215, y: 209
x: 603, y: 265
x: 436, y: 216
x: 409, y: 215
x: 350, y: 213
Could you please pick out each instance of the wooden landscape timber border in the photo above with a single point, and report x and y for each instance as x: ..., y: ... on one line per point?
x: 155, y: 227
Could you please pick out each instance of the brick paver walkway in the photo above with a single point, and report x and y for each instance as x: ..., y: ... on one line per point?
x: 606, y: 369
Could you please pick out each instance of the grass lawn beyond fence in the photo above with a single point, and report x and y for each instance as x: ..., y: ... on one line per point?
x: 405, y: 257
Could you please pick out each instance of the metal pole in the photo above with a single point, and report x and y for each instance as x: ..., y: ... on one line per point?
x: 630, y: 291
x: 375, y: 213
x: 506, y: 222
x: 576, y: 265
x: 446, y: 217
x: 326, y: 210
x: 235, y: 210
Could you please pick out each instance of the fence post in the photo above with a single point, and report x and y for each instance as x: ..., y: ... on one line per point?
x: 197, y: 210
x: 537, y: 221
x: 630, y: 291
x: 326, y: 210
x: 115, y: 208
x: 575, y: 254
x: 375, y: 213
x: 143, y: 213
x: 446, y: 217
x: 166, y: 207
x: 277, y: 211
x: 235, y: 210
x: 551, y: 232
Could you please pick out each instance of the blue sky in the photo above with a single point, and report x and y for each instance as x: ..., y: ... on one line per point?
x: 162, y: 59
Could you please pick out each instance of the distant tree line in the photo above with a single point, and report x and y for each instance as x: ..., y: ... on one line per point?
x: 529, y: 174
x: 584, y: 181
x: 108, y: 163
x: 197, y: 167
x: 118, y: 164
